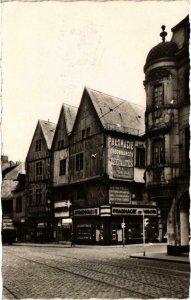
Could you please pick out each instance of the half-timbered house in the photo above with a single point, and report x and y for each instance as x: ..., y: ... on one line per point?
x: 38, y: 181
x: 107, y: 160
x: 60, y: 173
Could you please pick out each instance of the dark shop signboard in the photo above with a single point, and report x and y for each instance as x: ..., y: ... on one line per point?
x: 120, y: 158
x: 132, y: 211
x: 86, y: 212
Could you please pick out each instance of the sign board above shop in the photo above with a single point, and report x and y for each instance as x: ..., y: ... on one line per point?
x: 86, y: 212
x: 132, y: 211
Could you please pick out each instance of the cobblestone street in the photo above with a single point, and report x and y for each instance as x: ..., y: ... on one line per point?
x: 89, y: 272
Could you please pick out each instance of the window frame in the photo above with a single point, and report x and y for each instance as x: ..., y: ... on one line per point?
x: 158, y: 151
x: 140, y: 157
x: 38, y: 196
x: 39, y: 168
x: 80, y: 161
x: 158, y: 98
x: 38, y: 145
x: 62, y: 167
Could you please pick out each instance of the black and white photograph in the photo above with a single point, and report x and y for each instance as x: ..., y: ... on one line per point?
x: 95, y: 142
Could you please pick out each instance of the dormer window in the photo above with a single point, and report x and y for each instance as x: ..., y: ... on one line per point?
x: 158, y: 95
x: 38, y: 146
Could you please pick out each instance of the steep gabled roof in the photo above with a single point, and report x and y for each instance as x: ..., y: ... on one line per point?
x: 70, y: 115
x: 10, y: 182
x: 48, y: 129
x: 13, y: 174
x: 117, y: 114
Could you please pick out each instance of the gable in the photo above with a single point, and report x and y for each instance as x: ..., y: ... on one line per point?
x: 38, y: 135
x: 64, y: 127
x: 60, y: 132
x: 86, y: 118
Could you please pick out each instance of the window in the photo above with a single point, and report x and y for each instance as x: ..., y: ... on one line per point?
x: 38, y: 197
x: 140, y: 157
x: 19, y: 204
x: 186, y: 87
x: 60, y: 144
x: 187, y: 147
x: 83, y: 134
x: 63, y: 167
x: 158, y: 95
x: 79, y: 162
x: 88, y: 132
x: 39, y: 168
x: 30, y: 198
x: 158, y: 151
x: 38, y: 145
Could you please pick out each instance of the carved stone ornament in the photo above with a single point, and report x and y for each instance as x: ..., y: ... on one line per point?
x: 157, y: 75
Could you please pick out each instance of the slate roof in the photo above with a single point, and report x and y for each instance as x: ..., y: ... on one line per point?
x: 13, y: 174
x: 70, y: 115
x: 10, y: 182
x: 117, y: 114
x: 48, y: 129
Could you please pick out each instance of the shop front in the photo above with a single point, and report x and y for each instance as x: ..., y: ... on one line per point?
x: 115, y: 225
x: 62, y: 227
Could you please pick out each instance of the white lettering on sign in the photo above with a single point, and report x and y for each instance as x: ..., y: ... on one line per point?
x: 86, y: 212
x: 134, y: 211
x: 120, y: 158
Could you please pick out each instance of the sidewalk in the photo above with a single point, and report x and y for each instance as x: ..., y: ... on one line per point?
x: 153, y: 251
x: 183, y: 258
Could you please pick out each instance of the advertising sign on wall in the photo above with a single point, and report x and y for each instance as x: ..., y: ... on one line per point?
x: 120, y: 158
x: 119, y: 194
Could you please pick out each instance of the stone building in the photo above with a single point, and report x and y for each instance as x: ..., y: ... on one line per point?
x: 60, y: 173
x: 107, y: 156
x: 38, y: 182
x: 168, y: 134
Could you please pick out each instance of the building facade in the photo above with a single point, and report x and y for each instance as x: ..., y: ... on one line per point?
x: 168, y: 134
x: 60, y: 174
x: 107, y: 155
x: 38, y: 161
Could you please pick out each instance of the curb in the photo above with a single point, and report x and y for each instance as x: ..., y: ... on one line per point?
x: 161, y: 259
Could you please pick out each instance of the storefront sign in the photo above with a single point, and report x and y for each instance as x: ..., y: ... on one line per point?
x: 86, y: 212
x: 119, y: 194
x: 134, y: 211
x: 61, y: 209
x: 120, y: 158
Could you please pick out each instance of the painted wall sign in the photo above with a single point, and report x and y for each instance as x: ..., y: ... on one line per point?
x: 120, y: 158
x: 86, y: 212
x: 134, y: 211
x: 119, y: 194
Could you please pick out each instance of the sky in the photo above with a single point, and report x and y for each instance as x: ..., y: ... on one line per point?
x: 51, y: 50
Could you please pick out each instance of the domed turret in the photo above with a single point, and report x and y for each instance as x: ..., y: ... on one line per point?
x: 162, y: 50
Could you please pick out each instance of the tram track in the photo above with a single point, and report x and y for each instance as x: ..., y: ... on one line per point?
x: 135, y: 285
